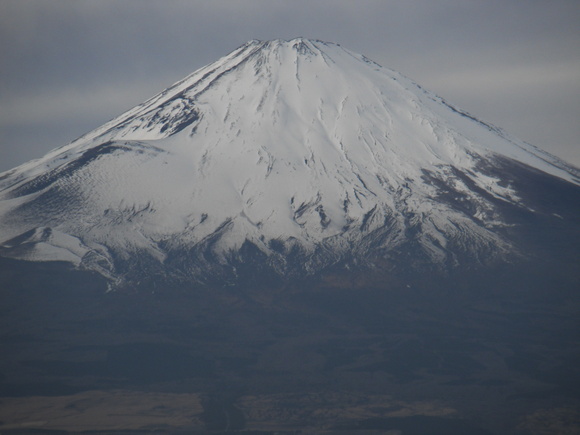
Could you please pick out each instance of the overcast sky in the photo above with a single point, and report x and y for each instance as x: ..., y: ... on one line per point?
x: 68, y: 66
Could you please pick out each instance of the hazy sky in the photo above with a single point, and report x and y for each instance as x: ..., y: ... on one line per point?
x: 68, y: 66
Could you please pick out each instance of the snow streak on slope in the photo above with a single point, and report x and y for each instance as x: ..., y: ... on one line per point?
x: 300, y: 149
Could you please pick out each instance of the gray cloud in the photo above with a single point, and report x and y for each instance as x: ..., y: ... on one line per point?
x: 70, y: 65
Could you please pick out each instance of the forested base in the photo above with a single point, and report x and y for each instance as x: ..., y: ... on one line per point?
x: 491, y: 352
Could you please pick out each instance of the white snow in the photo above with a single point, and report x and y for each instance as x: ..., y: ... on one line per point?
x: 285, y: 140
x: 44, y: 244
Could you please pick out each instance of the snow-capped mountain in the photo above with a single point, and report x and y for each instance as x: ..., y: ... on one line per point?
x: 287, y: 156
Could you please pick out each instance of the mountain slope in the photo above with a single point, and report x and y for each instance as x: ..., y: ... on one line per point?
x: 290, y: 156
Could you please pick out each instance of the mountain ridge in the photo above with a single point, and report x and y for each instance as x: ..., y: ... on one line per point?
x: 300, y: 151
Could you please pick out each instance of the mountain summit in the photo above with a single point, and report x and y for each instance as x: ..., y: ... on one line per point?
x: 287, y: 158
